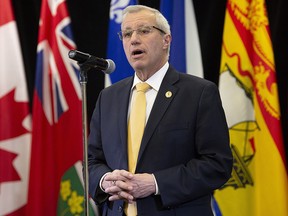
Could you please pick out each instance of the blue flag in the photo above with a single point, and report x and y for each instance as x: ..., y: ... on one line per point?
x: 185, y: 54
x: 115, y: 49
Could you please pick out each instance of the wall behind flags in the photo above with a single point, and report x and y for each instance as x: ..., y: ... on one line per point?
x: 90, y: 27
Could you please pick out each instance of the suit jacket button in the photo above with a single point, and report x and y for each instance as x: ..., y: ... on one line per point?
x: 120, y: 209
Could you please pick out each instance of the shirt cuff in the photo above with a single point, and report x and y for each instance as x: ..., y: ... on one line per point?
x: 157, y: 192
x: 101, y: 180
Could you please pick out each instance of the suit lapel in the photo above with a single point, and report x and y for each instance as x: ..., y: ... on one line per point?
x: 123, y: 100
x: 166, y: 94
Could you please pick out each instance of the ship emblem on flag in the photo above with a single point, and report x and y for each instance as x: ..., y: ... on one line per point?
x: 242, y: 128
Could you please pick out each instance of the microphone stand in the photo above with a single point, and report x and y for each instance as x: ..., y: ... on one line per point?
x: 83, y: 83
x: 87, y: 62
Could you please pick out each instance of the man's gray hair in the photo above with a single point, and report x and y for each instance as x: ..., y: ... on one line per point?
x: 161, y: 21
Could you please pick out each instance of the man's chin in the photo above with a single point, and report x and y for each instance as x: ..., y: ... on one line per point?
x: 138, y: 65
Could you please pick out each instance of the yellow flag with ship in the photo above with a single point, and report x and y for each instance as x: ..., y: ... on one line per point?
x: 248, y: 89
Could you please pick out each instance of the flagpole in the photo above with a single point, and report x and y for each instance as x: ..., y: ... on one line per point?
x: 83, y: 83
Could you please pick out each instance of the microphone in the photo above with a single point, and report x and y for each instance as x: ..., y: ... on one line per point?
x: 105, y: 65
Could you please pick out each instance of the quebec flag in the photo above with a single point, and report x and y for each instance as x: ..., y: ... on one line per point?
x: 115, y: 49
x: 185, y: 54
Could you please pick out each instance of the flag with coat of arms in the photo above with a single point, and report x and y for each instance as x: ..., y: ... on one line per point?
x: 57, y: 121
x: 249, y: 92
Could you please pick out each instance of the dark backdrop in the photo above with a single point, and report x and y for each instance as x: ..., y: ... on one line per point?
x: 90, y: 26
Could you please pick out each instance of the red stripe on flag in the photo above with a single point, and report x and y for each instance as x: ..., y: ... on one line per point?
x: 268, y: 111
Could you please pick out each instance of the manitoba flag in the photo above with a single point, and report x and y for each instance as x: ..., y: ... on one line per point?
x: 57, y: 127
x: 15, y: 122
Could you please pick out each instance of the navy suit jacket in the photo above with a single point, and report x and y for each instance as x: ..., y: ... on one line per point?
x: 185, y: 145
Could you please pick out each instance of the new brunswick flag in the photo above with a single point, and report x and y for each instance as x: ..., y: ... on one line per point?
x: 248, y: 87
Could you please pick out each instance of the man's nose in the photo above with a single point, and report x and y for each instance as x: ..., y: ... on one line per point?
x: 135, y: 36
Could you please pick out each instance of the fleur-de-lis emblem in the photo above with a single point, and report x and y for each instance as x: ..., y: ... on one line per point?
x: 116, y: 9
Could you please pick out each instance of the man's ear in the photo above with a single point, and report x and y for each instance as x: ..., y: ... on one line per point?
x: 166, y: 41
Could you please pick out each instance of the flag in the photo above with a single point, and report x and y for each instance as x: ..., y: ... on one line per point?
x: 248, y: 89
x: 15, y: 120
x: 57, y: 121
x: 185, y: 53
x: 115, y: 49
x: 71, y: 196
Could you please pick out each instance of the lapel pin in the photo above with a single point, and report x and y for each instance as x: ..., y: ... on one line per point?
x: 168, y: 94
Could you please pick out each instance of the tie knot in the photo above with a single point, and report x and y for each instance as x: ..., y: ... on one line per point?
x: 142, y: 87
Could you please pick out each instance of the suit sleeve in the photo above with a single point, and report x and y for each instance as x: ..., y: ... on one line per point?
x: 96, y: 159
x: 211, y: 167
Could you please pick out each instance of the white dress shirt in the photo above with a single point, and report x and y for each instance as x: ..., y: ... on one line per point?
x: 155, y: 82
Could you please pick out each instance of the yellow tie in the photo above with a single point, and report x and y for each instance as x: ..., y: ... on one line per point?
x: 136, y: 125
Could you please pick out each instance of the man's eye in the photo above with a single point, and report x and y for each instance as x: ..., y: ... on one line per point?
x: 144, y: 30
x: 127, y: 34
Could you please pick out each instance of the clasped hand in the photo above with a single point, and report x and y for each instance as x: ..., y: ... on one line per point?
x: 121, y: 184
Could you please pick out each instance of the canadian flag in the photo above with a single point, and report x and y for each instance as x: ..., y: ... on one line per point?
x: 15, y: 119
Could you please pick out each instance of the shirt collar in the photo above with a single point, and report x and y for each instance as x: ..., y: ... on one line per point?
x: 155, y: 80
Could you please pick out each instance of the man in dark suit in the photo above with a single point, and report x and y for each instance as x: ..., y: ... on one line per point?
x: 184, y: 153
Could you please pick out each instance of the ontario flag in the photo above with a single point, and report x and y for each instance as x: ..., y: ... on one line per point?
x: 15, y: 120
x: 115, y: 49
x: 248, y: 88
x: 57, y: 131
x: 185, y: 54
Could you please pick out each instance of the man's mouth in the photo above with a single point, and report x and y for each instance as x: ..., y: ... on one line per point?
x: 136, y: 53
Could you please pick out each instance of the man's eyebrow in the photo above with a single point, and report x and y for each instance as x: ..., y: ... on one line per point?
x: 141, y: 25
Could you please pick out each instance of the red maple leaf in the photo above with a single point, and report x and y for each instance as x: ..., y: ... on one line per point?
x: 11, y: 125
x: 12, y: 115
x: 7, y: 171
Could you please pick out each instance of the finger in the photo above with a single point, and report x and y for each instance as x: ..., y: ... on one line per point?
x: 124, y: 185
x: 112, y: 189
x: 126, y: 196
x: 126, y: 174
x: 115, y: 197
x: 121, y: 175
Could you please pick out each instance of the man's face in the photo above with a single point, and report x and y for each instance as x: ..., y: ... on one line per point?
x: 145, y: 52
